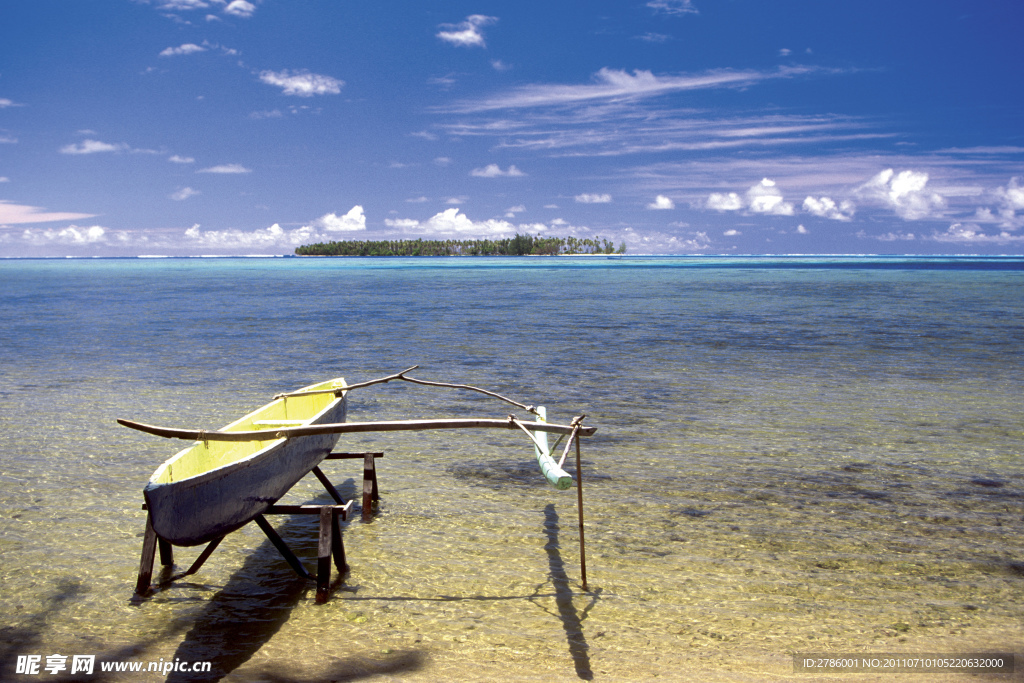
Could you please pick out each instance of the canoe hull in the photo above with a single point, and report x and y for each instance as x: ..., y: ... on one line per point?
x: 200, y: 508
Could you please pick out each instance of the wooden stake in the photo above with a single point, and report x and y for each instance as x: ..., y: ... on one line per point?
x: 148, y: 554
x: 579, y: 506
x: 324, y: 548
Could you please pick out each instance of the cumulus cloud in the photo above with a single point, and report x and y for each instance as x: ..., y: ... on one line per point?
x: 1011, y: 201
x: 183, y: 194
x: 972, y: 234
x: 905, y: 192
x: 92, y: 147
x: 732, y: 232
x: 724, y: 202
x: 184, y: 49
x: 593, y: 198
x: 494, y: 171
x: 302, y: 83
x: 826, y: 207
x: 355, y: 219
x: 274, y: 237
x: 466, y: 33
x: 453, y: 221
x: 73, y: 235
x: 763, y: 198
x: 240, y: 8
x: 766, y: 198
x: 662, y: 202
x: 227, y: 169
x: 11, y: 214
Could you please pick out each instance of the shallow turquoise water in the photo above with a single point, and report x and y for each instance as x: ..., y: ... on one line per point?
x: 792, y: 456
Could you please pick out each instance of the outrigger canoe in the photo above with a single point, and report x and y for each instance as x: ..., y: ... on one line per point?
x: 214, y: 487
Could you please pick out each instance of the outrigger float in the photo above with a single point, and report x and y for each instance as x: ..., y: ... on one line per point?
x: 235, y: 475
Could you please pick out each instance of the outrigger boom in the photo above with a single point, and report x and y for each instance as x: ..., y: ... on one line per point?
x: 354, y: 427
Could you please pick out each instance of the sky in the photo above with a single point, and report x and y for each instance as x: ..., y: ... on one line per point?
x: 198, y: 127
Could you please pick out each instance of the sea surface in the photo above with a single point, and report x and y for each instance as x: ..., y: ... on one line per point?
x: 794, y: 455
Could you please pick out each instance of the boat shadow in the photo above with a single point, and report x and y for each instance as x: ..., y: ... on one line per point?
x: 258, y: 600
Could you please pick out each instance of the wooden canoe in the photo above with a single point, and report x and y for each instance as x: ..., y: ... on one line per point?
x: 214, y: 487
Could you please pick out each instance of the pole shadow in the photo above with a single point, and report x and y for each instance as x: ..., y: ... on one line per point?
x: 572, y: 622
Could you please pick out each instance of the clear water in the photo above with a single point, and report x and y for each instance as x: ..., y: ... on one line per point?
x: 793, y: 455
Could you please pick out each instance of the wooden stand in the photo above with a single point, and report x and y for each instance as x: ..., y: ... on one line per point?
x: 331, y: 544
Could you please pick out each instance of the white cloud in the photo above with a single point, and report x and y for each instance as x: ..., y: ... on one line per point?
x: 92, y: 147
x: 4, y: 179
x: 226, y: 169
x: 593, y: 198
x: 183, y: 194
x: 181, y: 160
x: 972, y: 234
x: 766, y: 198
x: 452, y: 221
x: 355, y: 219
x: 467, y: 33
x: 825, y: 207
x: 513, y: 210
x: 69, y: 235
x: 1011, y: 201
x: 499, y: 65
x: 185, y: 49
x: 274, y: 237
x: 240, y: 8
x: 732, y: 232
x: 4, y: 103
x: 302, y: 83
x: 802, y: 230
x: 7, y: 139
x: 724, y: 202
x: 673, y: 6
x: 905, y: 193
x: 11, y: 214
x: 662, y: 202
x: 617, y: 84
x: 494, y: 171
x: 183, y: 4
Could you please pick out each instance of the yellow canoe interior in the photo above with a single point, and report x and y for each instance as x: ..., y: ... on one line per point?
x: 204, y: 456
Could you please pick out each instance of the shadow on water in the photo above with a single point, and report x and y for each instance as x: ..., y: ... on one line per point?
x: 27, y: 639
x: 257, y: 601
x: 572, y: 622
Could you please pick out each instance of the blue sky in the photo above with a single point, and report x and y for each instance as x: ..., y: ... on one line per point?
x: 133, y: 127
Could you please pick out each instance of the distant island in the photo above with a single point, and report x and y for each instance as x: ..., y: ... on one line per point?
x: 520, y: 245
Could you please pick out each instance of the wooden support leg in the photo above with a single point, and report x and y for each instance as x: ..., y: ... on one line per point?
x: 338, y: 543
x: 166, y: 553
x: 328, y: 485
x: 203, y: 556
x: 370, y: 493
x: 278, y: 542
x: 148, y: 553
x: 323, y: 565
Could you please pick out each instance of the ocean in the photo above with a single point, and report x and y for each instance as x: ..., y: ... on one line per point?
x: 794, y: 456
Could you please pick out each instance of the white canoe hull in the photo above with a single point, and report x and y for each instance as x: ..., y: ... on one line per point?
x: 208, y: 505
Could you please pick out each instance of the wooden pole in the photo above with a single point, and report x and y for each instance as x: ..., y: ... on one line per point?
x: 324, y: 551
x: 579, y: 506
x: 148, y: 554
x: 353, y: 427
